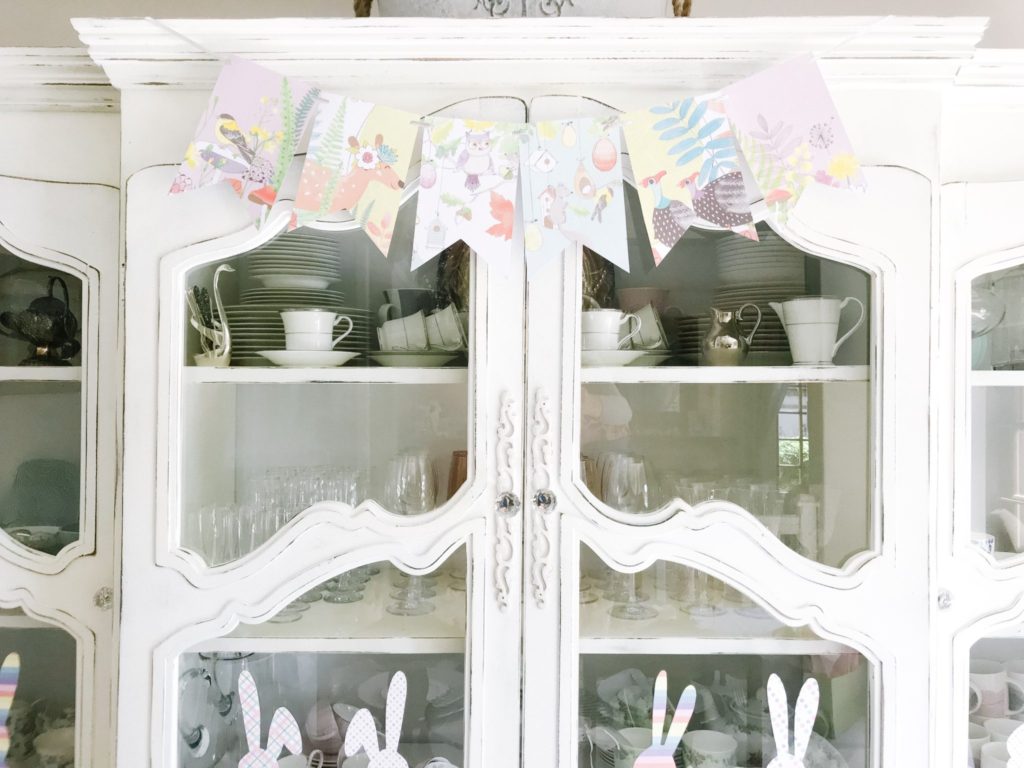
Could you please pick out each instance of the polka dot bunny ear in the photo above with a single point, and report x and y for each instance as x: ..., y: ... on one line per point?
x: 1015, y: 746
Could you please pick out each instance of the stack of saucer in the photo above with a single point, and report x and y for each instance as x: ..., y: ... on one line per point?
x: 295, y: 261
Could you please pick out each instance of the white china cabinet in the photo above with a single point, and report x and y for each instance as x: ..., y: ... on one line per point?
x: 59, y: 389
x: 979, y: 581
x: 529, y: 533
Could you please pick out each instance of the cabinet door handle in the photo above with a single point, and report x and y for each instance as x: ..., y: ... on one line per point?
x: 507, y: 504
x: 545, y: 500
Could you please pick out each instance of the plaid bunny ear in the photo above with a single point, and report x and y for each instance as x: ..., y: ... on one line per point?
x: 8, y: 684
x: 250, y: 701
x: 284, y: 731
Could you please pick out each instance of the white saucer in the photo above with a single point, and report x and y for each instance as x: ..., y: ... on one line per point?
x: 412, y: 359
x: 300, y: 359
x: 609, y: 357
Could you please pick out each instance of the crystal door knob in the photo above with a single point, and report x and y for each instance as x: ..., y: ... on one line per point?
x: 544, y: 500
x: 507, y: 504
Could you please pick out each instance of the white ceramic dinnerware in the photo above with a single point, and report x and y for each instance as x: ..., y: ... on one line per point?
x: 977, y: 737
x: 812, y: 325
x: 989, y: 690
x: 651, y: 334
x: 612, y: 357
x: 289, y: 358
x: 310, y: 330
x: 605, y: 341
x: 445, y: 330
x: 295, y: 261
x: 1000, y: 728
x: 994, y: 755
x: 709, y: 749
x: 606, y: 320
x: 406, y: 334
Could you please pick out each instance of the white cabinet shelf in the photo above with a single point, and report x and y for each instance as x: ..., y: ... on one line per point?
x: 342, y: 375
x: 41, y: 373
x: 670, y: 374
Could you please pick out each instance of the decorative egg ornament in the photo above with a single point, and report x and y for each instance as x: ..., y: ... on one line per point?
x: 534, y: 239
x: 605, y: 155
x: 569, y: 136
x: 428, y: 176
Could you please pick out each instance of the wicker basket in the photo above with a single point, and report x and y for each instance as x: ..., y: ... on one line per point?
x: 509, y: 8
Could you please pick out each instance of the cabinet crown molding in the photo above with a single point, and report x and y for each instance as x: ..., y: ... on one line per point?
x: 701, y: 53
x: 54, y: 79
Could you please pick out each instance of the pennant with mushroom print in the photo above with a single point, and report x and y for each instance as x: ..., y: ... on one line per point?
x: 357, y: 161
x: 469, y: 178
x: 787, y: 126
x: 572, y: 190
x: 687, y: 168
x: 248, y: 134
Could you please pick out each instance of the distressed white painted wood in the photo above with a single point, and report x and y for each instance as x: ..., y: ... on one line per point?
x: 59, y: 208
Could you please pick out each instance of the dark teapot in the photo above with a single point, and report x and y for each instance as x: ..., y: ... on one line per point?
x: 48, y: 325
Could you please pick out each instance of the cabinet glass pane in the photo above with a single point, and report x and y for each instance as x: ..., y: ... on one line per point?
x: 702, y: 632
x: 760, y: 413
x: 995, y: 705
x: 997, y: 412
x: 796, y: 456
x: 40, y: 404
x: 261, y: 442
x: 41, y: 722
x: 331, y: 652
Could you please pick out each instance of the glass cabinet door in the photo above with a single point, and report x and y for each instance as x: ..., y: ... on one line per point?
x: 42, y: 406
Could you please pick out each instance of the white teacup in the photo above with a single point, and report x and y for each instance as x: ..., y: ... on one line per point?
x: 709, y: 749
x: 1000, y: 728
x: 609, y: 321
x: 444, y: 329
x: 990, y: 687
x: 650, y: 333
x: 311, y: 342
x: 630, y: 742
x: 994, y: 755
x: 309, y: 320
x: 594, y: 341
x: 406, y: 334
x: 977, y: 737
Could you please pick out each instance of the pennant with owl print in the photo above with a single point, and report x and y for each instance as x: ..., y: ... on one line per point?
x: 787, y: 127
x: 248, y: 134
x: 687, y: 168
x: 469, y: 178
x: 357, y: 161
x: 572, y: 190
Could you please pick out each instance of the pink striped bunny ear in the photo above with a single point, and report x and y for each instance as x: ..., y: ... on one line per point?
x: 250, y: 702
x: 1015, y: 746
x: 659, y: 707
x: 803, y: 718
x: 681, y: 718
x: 284, y: 731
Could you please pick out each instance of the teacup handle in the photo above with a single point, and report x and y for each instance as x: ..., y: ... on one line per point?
x: 385, y: 313
x: 739, y: 316
x: 1020, y: 697
x: 975, y: 694
x: 318, y: 756
x: 849, y: 333
x: 348, y: 330
x: 629, y: 337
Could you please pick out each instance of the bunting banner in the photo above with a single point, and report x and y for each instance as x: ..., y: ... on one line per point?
x: 572, y: 190
x: 779, y: 127
x: 787, y: 127
x: 357, y: 161
x: 248, y: 134
x: 469, y: 177
x: 686, y: 167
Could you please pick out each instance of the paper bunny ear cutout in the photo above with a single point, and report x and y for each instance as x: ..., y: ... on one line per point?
x: 803, y: 721
x: 8, y: 684
x: 284, y: 731
x: 663, y: 746
x: 1015, y: 746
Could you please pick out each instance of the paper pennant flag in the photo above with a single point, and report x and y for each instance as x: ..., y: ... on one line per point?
x: 572, y: 190
x: 468, y: 185
x: 358, y: 160
x: 790, y: 133
x: 248, y: 134
x: 686, y: 166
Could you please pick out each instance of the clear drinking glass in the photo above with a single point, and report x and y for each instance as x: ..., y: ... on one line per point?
x: 411, y: 486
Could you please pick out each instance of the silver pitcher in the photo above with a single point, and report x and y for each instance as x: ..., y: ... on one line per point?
x: 724, y: 344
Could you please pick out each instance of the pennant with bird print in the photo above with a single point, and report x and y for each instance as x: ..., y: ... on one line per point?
x: 248, y: 134
x: 572, y: 190
x: 357, y: 161
x: 469, y: 178
x: 687, y: 168
x: 787, y: 127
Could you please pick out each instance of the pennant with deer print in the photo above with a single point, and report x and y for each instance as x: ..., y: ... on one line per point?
x: 357, y: 161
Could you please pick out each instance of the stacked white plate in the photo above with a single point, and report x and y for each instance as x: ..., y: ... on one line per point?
x: 258, y: 327
x: 743, y: 262
x: 296, y: 261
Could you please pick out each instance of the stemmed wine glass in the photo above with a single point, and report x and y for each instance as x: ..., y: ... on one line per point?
x: 626, y: 489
